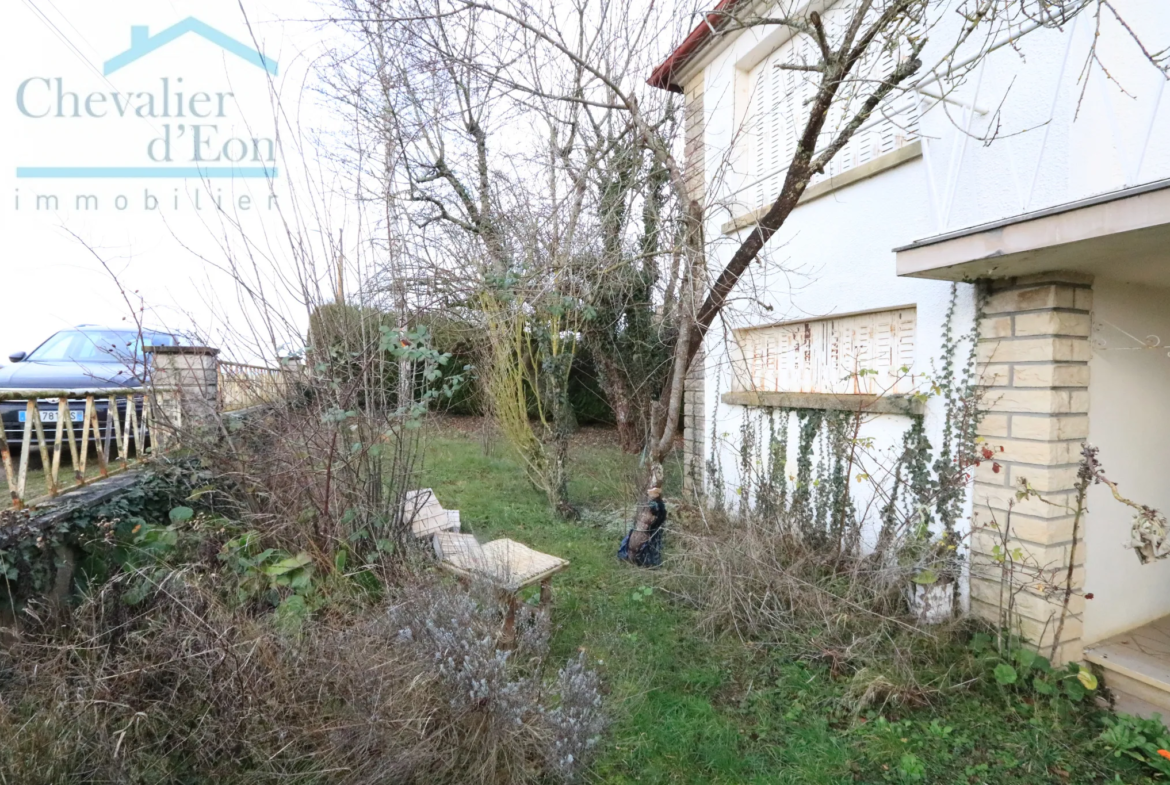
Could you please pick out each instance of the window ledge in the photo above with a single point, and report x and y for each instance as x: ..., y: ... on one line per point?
x: 848, y: 177
x: 869, y: 404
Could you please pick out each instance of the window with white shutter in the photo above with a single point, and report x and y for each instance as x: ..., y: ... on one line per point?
x: 829, y: 355
x: 780, y: 107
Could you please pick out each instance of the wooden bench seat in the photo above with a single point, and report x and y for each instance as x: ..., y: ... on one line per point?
x: 507, y: 564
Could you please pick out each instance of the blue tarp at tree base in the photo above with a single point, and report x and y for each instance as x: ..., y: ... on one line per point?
x: 650, y: 554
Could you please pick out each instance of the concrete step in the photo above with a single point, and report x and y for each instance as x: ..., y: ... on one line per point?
x: 1128, y: 692
x: 1128, y: 704
x: 1137, y: 670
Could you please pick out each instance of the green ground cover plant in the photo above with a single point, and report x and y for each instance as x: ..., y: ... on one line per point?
x: 201, y: 644
x: 689, y: 706
x: 197, y: 617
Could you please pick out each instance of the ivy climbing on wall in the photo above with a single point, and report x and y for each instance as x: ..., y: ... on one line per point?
x: 918, y: 489
x: 772, y: 495
x: 749, y: 457
x: 715, y: 486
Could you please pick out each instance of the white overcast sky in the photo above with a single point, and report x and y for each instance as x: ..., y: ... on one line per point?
x: 49, y: 279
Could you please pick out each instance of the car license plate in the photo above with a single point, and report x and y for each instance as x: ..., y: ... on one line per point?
x: 52, y: 416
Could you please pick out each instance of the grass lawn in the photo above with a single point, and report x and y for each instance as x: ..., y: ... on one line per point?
x: 686, y: 709
x: 36, y: 483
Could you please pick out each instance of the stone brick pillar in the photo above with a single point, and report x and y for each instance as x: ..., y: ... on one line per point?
x: 694, y: 399
x: 694, y: 127
x: 184, y: 392
x: 1033, y: 358
x: 293, y: 374
x: 694, y: 427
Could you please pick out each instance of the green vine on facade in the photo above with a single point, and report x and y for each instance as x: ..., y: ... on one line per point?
x: 956, y: 385
x: 919, y: 492
x: 772, y: 496
x: 748, y: 457
x: 715, y: 482
x: 810, y: 424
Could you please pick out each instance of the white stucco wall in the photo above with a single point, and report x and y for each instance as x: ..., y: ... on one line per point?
x: 1058, y: 139
x: 834, y: 256
x: 1048, y: 134
x: 1129, y: 420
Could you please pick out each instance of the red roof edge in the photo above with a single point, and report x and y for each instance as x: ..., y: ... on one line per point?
x: 663, y: 75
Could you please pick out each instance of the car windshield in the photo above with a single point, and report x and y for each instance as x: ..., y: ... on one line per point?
x: 97, y: 346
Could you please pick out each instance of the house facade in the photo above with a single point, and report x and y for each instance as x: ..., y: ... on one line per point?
x: 1030, y: 203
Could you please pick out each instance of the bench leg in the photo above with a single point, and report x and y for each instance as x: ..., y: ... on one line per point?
x: 545, y: 592
x: 510, y: 622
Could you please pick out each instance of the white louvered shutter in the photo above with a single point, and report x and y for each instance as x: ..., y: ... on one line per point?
x: 782, y: 112
x: 825, y: 355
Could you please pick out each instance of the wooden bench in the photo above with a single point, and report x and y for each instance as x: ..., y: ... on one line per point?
x: 509, y: 565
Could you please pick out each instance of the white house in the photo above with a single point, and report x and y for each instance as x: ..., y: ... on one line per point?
x: 1063, y: 221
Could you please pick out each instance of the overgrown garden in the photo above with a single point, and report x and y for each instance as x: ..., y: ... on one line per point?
x: 199, y: 647
x: 258, y: 610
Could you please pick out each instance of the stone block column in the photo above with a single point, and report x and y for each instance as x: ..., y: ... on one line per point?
x: 184, y: 392
x: 694, y: 426
x: 293, y: 374
x: 1033, y: 356
x: 694, y: 400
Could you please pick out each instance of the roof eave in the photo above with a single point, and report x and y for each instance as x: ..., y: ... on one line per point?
x: 665, y: 76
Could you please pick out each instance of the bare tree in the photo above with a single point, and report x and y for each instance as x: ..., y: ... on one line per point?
x: 524, y: 194
x: 577, y: 69
x: 846, y: 81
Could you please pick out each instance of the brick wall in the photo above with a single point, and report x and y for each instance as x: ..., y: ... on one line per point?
x: 1033, y: 358
x: 693, y: 400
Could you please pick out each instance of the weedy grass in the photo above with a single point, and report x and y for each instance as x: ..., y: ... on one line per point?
x: 687, y: 707
x: 36, y: 483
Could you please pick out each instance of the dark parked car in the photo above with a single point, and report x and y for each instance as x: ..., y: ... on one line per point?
x: 85, y: 357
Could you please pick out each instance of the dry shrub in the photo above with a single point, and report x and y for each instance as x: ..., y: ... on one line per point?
x: 181, y: 688
x: 310, y: 473
x: 766, y: 585
x: 324, y: 454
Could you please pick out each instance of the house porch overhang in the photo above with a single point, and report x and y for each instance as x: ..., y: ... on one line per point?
x: 1123, y: 234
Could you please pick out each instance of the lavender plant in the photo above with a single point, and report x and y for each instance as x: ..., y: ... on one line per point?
x: 502, y: 681
x: 577, y: 722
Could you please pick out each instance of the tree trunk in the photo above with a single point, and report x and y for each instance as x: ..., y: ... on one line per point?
x: 556, y: 383
x: 627, y: 412
x: 695, y: 322
x: 665, y: 412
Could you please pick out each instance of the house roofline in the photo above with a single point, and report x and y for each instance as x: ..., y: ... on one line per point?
x: 664, y: 76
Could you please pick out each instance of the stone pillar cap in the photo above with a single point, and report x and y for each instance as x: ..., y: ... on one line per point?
x: 181, y: 350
